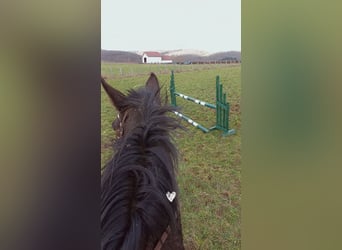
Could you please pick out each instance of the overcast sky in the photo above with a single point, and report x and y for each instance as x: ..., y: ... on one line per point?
x: 209, y: 25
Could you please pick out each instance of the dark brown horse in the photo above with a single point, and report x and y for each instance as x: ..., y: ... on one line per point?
x: 139, y: 196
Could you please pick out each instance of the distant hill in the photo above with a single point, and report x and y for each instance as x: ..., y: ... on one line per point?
x: 120, y: 56
x: 178, y: 56
x: 224, y: 55
x: 229, y: 55
x: 181, y: 52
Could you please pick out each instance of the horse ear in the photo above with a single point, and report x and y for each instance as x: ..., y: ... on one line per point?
x: 153, y: 84
x: 116, y: 97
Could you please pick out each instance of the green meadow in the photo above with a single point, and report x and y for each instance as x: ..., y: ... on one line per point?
x: 209, y: 174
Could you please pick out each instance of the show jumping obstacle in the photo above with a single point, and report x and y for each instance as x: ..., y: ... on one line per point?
x: 222, y: 108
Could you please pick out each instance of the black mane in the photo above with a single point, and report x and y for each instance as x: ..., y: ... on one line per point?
x: 134, y: 207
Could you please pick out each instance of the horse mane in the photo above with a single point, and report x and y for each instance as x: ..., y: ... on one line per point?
x: 134, y: 209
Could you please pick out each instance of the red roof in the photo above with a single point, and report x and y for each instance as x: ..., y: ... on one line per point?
x: 166, y: 58
x: 152, y: 54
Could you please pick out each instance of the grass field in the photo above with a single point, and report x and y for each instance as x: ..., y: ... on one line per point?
x: 210, y: 165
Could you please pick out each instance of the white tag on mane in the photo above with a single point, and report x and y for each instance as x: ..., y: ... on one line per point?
x: 171, y: 196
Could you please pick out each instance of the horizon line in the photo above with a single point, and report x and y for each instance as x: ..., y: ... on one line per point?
x: 232, y: 50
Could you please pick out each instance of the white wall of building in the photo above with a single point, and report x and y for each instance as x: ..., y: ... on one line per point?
x: 166, y: 61
x: 147, y: 59
x: 154, y: 59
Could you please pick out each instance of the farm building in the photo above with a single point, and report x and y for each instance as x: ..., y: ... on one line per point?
x: 155, y: 57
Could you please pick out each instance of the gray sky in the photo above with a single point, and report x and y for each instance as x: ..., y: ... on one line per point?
x: 210, y: 25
